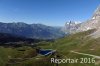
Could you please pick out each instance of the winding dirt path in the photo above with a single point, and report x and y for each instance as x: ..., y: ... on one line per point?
x: 95, y: 56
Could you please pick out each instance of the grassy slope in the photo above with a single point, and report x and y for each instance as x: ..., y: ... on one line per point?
x: 10, y: 55
x: 80, y: 42
x: 76, y: 42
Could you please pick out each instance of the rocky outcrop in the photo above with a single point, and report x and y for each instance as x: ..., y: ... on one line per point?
x: 92, y: 23
x: 71, y: 26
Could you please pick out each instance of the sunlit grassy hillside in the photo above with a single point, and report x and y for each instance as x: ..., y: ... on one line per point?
x: 79, y: 42
x: 27, y: 56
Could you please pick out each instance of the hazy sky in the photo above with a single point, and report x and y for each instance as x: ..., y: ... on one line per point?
x: 48, y: 12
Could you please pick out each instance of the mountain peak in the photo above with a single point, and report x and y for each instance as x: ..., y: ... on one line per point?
x: 98, y: 8
x: 96, y: 14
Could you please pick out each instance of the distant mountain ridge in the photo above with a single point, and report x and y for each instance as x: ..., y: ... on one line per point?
x: 71, y: 26
x: 37, y: 31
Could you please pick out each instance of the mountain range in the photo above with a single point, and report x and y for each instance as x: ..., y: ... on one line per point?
x: 40, y: 31
x: 37, y: 31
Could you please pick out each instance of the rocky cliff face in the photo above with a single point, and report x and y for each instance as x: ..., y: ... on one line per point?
x: 92, y: 23
x: 96, y: 14
x: 71, y: 26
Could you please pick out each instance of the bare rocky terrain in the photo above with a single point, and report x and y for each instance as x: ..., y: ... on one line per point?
x: 92, y: 23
